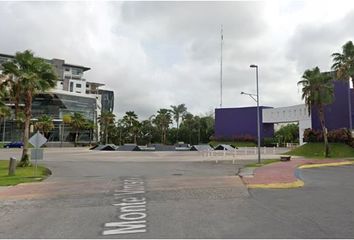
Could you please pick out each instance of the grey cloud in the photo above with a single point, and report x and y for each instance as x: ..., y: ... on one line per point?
x: 313, y: 44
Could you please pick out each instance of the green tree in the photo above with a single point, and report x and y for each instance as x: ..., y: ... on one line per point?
x: 90, y: 126
x: 33, y: 75
x: 66, y: 120
x: 317, y: 91
x: 162, y: 120
x: 288, y: 133
x: 130, y: 122
x: 77, y: 123
x: 106, y: 120
x: 44, y: 124
x: 343, y: 63
x: 178, y: 112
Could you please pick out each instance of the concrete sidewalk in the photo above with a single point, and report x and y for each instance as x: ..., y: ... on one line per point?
x: 283, y: 174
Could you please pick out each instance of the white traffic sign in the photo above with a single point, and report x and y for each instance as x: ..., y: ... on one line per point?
x: 37, y: 140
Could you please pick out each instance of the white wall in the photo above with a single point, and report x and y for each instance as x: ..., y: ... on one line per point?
x: 297, y: 113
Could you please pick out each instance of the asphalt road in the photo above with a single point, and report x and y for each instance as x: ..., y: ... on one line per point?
x: 176, y: 200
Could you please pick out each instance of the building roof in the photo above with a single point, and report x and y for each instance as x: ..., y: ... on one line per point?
x: 202, y: 147
x: 65, y: 64
x: 224, y: 147
x: 76, y: 66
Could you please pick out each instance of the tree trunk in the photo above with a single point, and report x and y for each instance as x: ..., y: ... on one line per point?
x: 25, y: 161
x: 106, y: 133
x: 324, y: 129
x: 76, y: 137
x: 177, y: 130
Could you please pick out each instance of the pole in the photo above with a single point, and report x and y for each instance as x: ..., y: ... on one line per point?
x: 350, y: 108
x: 258, y: 123
x: 222, y: 38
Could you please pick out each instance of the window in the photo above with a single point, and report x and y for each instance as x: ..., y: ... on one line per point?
x: 71, y: 86
x: 76, y: 71
x: 78, y: 85
x: 67, y: 69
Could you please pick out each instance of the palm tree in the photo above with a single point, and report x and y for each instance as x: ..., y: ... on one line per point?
x: 90, y: 125
x: 66, y: 119
x: 44, y: 124
x: 106, y: 119
x: 130, y: 122
x: 78, y: 122
x: 317, y: 91
x: 343, y: 65
x: 178, y: 112
x: 33, y: 75
x: 162, y: 120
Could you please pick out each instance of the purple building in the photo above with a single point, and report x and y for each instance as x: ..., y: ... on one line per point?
x: 231, y: 123
x: 234, y: 123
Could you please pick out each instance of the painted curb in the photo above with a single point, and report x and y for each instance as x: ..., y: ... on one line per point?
x: 296, y: 184
x: 318, y: 165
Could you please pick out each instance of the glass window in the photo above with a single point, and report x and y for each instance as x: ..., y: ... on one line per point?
x: 71, y: 86
x: 78, y: 85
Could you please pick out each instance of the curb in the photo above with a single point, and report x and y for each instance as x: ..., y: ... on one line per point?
x: 298, y: 183
x: 318, y: 165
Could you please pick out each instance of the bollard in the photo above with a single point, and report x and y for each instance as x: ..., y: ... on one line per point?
x: 12, y: 166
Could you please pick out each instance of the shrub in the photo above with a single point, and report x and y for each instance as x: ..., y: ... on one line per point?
x: 342, y: 135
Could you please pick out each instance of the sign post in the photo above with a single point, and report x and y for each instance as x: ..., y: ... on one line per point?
x: 37, y: 140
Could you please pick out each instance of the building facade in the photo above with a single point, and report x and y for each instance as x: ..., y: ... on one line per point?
x: 72, y: 94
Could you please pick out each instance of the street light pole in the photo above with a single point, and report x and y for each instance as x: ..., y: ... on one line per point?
x: 258, y: 118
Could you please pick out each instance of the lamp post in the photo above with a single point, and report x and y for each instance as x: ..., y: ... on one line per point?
x: 258, y: 118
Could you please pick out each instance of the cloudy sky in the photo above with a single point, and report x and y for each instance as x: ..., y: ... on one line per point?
x: 157, y: 54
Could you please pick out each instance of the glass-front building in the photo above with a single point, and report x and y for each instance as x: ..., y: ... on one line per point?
x: 56, y: 105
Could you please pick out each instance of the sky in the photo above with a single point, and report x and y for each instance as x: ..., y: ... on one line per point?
x: 157, y: 54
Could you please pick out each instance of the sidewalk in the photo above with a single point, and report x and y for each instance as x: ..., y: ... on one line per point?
x: 283, y: 174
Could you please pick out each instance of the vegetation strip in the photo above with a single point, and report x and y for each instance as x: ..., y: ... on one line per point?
x: 23, y: 174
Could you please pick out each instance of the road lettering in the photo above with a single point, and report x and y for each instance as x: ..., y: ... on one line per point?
x: 131, y: 207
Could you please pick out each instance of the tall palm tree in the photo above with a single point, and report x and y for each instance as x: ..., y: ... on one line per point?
x: 178, y: 112
x: 33, y: 75
x: 317, y: 91
x: 162, y: 120
x: 77, y: 123
x: 130, y: 122
x: 106, y: 120
x: 343, y: 65
x: 44, y: 124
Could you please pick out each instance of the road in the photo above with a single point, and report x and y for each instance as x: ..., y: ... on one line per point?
x: 173, y: 199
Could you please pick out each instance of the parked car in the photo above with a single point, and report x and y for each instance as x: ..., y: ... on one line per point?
x: 18, y: 144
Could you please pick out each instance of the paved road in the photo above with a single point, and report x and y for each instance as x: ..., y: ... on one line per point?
x: 175, y: 200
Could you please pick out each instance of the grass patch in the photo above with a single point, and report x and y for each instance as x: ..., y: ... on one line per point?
x: 233, y: 143
x: 316, y: 150
x: 263, y: 162
x: 23, y: 175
